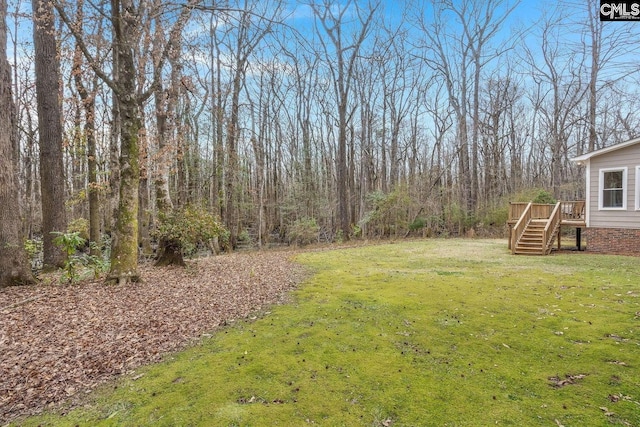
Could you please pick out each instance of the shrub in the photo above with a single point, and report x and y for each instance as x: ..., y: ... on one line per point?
x: 535, y: 195
x: 544, y: 196
x: 33, y: 248
x: 303, y: 231
x: 494, y: 216
x: 418, y: 224
x: 387, y: 213
x: 80, y: 226
x: 69, y: 242
x: 180, y: 232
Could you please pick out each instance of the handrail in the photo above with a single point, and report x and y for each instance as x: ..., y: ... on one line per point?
x: 520, y: 226
x: 550, y: 228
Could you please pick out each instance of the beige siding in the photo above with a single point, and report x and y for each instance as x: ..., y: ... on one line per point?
x: 628, y: 157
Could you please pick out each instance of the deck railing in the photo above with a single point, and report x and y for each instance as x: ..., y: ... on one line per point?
x: 573, y: 211
x: 552, y: 225
x: 570, y: 211
x: 525, y: 216
x: 538, y: 210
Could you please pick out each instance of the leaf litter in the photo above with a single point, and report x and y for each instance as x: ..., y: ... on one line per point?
x: 568, y: 379
x: 59, y: 342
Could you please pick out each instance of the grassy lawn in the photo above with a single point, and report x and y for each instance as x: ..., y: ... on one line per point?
x: 423, y: 333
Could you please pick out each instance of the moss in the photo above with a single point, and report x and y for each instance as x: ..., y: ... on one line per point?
x: 124, y: 253
x: 451, y: 332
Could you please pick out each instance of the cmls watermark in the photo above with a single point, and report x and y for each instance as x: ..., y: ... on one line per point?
x: 619, y: 10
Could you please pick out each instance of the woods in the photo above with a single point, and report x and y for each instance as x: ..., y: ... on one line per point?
x: 14, y: 267
x: 359, y: 119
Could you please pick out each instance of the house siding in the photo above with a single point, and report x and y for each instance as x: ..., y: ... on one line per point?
x: 628, y: 218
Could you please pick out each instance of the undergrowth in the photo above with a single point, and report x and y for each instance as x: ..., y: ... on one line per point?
x: 432, y: 333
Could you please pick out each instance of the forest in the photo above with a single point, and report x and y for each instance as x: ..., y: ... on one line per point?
x: 291, y: 121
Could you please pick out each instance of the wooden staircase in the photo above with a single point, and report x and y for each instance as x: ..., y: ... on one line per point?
x: 533, y: 227
x: 532, y: 240
x: 534, y: 233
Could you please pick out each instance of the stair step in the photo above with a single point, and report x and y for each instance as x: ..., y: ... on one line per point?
x: 532, y: 240
x: 530, y: 247
x: 529, y: 253
x: 532, y: 236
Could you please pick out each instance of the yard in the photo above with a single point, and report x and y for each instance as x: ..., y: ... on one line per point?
x: 421, y: 333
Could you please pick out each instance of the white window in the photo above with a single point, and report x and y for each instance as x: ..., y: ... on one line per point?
x: 613, y: 189
x: 638, y: 188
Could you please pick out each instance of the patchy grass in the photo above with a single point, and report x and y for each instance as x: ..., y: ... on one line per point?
x: 429, y: 333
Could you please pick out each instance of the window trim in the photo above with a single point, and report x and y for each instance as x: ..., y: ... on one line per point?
x: 637, y: 188
x: 601, y: 206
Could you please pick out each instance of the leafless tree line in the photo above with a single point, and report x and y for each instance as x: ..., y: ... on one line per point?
x: 369, y: 121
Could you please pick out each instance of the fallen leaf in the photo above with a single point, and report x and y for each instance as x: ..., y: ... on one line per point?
x: 58, y: 340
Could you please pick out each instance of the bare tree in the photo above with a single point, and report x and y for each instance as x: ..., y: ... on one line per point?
x: 459, y: 38
x: 87, y: 91
x: 129, y: 93
x: 49, y: 130
x: 608, y: 50
x: 251, y: 29
x: 561, y: 89
x: 165, y: 104
x: 14, y: 266
x: 340, y: 57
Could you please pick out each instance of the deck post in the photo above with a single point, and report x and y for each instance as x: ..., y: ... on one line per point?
x: 578, y: 237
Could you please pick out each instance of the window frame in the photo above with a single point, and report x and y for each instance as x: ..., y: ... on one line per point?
x: 624, y: 189
x: 637, y: 188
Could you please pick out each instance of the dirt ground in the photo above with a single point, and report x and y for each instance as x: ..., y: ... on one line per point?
x: 59, y: 342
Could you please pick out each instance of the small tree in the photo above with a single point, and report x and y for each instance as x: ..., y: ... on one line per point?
x: 182, y: 230
x: 69, y: 243
x: 303, y: 231
x: 388, y: 213
x: 544, y: 196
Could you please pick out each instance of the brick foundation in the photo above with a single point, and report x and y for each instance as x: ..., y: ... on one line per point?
x: 613, y: 240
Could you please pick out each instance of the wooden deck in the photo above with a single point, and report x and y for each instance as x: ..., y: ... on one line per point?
x: 533, y: 227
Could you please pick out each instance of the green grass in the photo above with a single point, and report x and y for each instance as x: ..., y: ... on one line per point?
x: 429, y: 333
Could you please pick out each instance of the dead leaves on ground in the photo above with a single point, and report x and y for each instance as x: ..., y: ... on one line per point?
x: 58, y: 342
x: 568, y: 379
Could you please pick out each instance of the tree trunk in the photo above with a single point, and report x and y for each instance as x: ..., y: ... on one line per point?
x: 124, y: 246
x: 217, y: 142
x: 124, y: 250
x: 165, y: 153
x: 14, y: 265
x: 114, y: 163
x: 144, y: 215
x: 231, y: 214
x: 50, y: 131
x: 343, y: 193
x: 92, y: 164
x: 89, y: 104
x: 595, y: 33
x: 169, y: 253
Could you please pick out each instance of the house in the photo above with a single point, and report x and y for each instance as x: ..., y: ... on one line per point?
x: 612, y: 209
